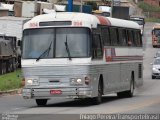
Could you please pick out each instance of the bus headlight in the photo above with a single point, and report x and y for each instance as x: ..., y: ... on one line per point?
x: 76, y: 81
x: 79, y: 81
x: 29, y: 82
x: 32, y: 81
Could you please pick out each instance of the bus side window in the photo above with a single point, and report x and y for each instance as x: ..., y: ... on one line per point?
x: 140, y: 38
x: 122, y: 37
x: 105, y: 36
x: 113, y: 36
x: 97, y: 51
x: 130, y: 38
x: 137, y: 38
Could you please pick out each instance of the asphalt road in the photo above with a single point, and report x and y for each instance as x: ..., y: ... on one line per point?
x: 145, y: 101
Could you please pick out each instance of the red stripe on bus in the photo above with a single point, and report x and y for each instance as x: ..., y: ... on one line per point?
x: 126, y: 58
x: 103, y: 20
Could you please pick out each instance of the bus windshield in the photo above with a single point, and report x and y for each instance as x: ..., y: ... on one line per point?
x: 37, y: 41
x: 157, y: 32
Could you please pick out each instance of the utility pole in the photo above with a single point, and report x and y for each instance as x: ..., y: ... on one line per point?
x: 70, y: 5
x: 112, y: 7
x: 35, y: 7
x: 81, y: 6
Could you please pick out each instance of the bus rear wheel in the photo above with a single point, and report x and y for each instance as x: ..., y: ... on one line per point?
x: 128, y: 93
x: 4, y: 68
x: 41, y: 102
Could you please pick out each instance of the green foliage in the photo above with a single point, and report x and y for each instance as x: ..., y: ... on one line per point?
x: 148, y: 8
x: 153, y: 20
x: 10, y: 80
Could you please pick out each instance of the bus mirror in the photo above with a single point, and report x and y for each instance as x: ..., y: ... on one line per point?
x: 19, y: 42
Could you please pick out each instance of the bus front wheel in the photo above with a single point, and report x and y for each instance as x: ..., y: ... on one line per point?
x: 97, y: 100
x: 154, y: 46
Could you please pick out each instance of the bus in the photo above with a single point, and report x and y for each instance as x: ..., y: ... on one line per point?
x: 156, y: 36
x: 80, y: 56
x: 140, y: 21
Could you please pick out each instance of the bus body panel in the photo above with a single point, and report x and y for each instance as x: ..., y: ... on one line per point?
x: 57, y: 73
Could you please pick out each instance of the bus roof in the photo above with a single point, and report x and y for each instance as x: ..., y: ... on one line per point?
x: 156, y: 26
x: 123, y: 23
x: 78, y: 20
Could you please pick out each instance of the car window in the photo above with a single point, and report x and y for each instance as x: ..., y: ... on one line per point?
x: 158, y: 54
x: 157, y: 62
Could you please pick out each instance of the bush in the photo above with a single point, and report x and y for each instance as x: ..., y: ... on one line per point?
x: 148, y: 8
x: 152, y: 20
x: 10, y: 81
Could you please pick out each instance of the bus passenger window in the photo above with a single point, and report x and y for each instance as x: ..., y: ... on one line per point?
x: 105, y: 36
x: 97, y: 51
x: 137, y: 38
x: 122, y: 37
x: 130, y: 38
x: 113, y: 36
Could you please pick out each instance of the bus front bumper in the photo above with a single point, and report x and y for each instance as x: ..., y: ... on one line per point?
x: 43, y: 93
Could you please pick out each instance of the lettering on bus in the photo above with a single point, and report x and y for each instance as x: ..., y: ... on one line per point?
x: 77, y: 23
x: 33, y: 25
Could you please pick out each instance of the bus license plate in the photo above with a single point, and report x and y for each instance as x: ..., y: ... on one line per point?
x: 55, y: 92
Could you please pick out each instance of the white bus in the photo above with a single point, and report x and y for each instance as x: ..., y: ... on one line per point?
x: 78, y: 55
x: 140, y: 21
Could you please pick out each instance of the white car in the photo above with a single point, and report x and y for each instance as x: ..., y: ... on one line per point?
x: 156, y: 68
x: 157, y: 54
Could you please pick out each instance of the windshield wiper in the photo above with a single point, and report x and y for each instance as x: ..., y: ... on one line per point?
x: 46, y: 52
x: 67, y: 49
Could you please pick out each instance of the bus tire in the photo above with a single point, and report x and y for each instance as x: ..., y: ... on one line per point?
x: 12, y: 66
x: 4, y: 68
x: 1, y: 67
x: 128, y: 93
x: 97, y: 100
x: 153, y: 77
x: 41, y: 102
x: 154, y: 46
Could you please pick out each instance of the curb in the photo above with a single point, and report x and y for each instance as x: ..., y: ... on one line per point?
x: 11, y: 92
